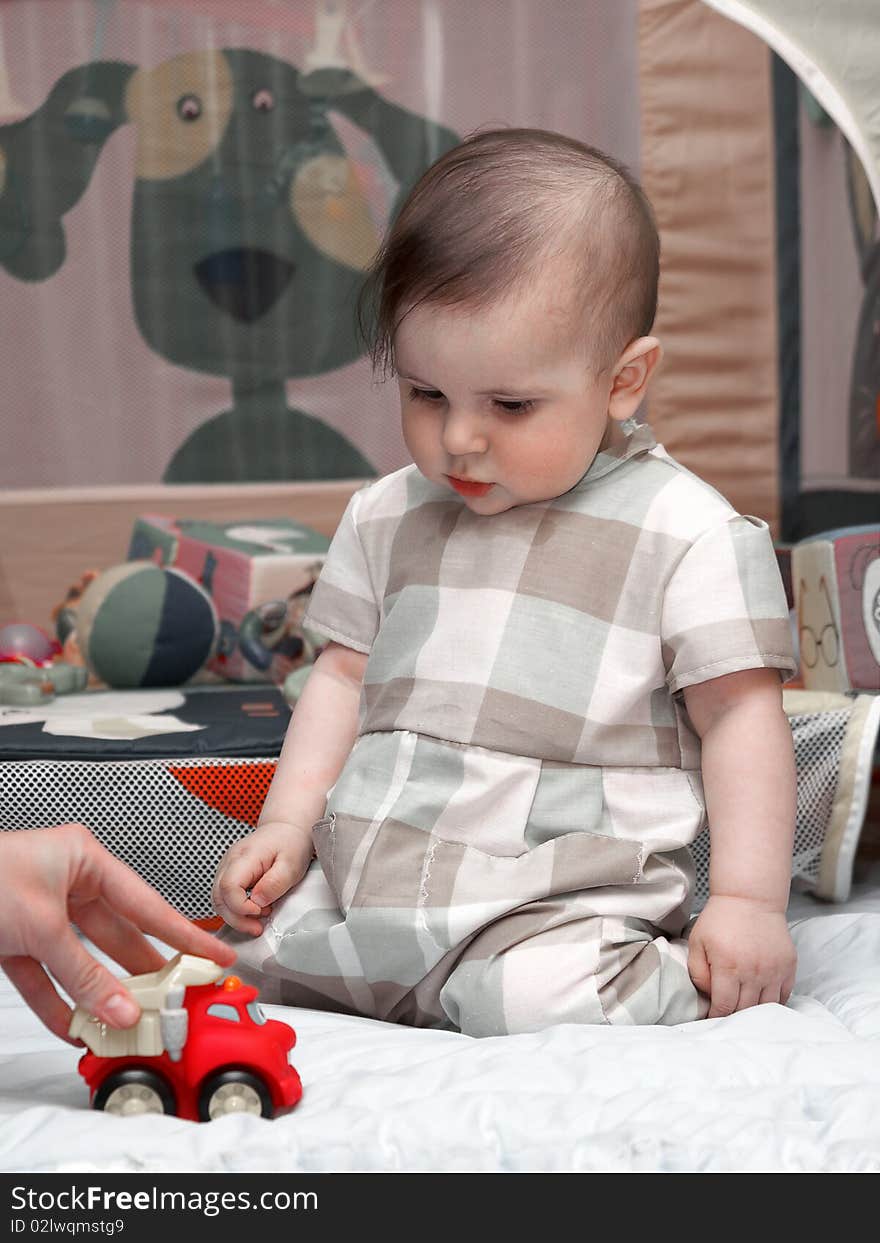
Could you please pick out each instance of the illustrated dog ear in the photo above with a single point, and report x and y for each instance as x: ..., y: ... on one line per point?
x: 47, y: 159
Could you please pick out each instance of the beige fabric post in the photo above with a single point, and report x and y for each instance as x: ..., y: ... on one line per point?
x: 707, y: 165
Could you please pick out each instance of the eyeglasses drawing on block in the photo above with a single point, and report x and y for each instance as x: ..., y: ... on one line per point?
x: 828, y: 639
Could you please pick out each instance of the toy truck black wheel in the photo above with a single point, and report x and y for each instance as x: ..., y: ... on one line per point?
x: 234, y: 1092
x: 133, y: 1091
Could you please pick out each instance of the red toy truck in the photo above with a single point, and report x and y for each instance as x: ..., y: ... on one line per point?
x: 200, y: 1049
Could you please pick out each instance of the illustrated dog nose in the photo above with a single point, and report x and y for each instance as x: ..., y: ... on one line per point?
x: 243, y: 282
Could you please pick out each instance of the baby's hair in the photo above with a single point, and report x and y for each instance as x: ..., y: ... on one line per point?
x: 490, y: 214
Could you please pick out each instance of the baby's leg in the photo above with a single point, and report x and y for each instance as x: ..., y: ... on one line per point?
x: 521, y: 975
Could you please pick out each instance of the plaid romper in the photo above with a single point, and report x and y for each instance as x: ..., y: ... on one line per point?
x: 507, y: 844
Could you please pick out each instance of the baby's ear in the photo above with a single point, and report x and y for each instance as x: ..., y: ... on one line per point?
x: 630, y: 376
x: 46, y: 162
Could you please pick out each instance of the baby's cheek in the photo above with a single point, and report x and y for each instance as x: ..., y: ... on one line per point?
x: 543, y: 469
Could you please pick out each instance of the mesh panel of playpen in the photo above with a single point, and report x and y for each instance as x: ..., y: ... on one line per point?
x: 171, y: 822
x: 818, y: 746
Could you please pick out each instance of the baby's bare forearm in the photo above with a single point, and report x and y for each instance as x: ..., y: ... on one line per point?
x: 749, y: 780
x: 319, y: 739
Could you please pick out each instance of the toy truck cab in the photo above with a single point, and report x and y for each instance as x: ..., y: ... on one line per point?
x: 201, y: 1049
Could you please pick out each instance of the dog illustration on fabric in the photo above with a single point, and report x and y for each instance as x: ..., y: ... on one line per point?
x: 251, y: 228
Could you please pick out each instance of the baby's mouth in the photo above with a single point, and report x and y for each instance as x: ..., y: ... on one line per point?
x: 469, y: 487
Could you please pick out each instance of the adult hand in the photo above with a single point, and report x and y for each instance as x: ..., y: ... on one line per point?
x: 58, y: 877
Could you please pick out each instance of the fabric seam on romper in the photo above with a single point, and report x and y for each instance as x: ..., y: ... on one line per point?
x: 337, y: 636
x: 682, y: 681
x: 423, y: 890
x: 330, y: 823
x: 701, y: 806
x: 640, y: 862
x: 640, y: 871
x: 332, y: 860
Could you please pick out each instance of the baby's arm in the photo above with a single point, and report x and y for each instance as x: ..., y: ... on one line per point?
x: 320, y: 736
x: 740, y: 951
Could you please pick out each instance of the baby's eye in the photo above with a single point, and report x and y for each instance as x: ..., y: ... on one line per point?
x: 514, y: 407
x: 425, y: 394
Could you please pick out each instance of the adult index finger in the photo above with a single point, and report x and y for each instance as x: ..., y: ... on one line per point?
x: 125, y: 891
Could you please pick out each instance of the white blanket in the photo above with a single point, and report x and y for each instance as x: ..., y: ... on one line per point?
x: 768, y: 1089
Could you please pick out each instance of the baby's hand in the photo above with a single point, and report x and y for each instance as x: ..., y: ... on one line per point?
x: 741, y: 954
x: 258, y: 870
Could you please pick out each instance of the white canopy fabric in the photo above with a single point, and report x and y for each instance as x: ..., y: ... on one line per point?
x: 834, y: 48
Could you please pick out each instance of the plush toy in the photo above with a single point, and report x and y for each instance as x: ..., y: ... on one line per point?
x: 20, y: 642
x: 273, y: 639
x: 141, y: 624
x: 30, y: 673
x: 28, y: 686
x: 64, y: 617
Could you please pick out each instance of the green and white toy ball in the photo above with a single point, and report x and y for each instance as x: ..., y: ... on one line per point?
x: 142, y: 624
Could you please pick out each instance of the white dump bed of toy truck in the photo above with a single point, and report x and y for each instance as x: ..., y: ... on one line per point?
x: 159, y: 994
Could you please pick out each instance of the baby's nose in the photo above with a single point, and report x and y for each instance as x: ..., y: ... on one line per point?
x: 463, y: 432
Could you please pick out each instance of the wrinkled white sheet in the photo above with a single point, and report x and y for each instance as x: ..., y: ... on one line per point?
x: 768, y: 1089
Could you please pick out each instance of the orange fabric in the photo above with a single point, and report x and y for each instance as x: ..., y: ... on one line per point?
x: 707, y: 165
x: 211, y: 924
x: 237, y: 790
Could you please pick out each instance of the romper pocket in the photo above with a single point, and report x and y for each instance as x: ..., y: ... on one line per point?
x: 465, y: 876
x: 662, y: 807
x: 344, y: 845
x: 451, y: 890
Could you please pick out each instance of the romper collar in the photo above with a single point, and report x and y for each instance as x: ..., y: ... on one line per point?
x: 621, y: 450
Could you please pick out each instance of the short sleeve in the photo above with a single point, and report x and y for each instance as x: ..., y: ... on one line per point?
x: 343, y: 604
x: 724, y: 608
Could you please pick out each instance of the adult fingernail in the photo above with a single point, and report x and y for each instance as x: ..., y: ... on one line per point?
x: 119, y: 1011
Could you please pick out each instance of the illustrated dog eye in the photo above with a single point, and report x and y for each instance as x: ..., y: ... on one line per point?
x: 189, y: 107
x: 263, y: 100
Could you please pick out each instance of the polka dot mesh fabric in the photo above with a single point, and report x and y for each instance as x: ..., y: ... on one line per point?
x: 818, y: 745
x: 170, y: 821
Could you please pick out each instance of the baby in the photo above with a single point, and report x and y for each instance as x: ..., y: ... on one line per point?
x: 553, y: 652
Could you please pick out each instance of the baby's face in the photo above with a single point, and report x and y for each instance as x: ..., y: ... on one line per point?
x: 498, y: 404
